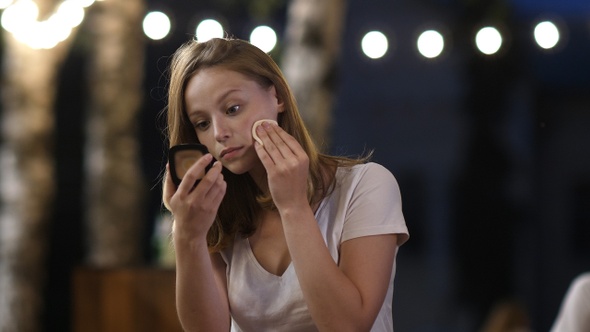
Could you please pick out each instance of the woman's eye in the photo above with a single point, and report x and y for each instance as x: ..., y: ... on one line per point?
x: 232, y: 109
x: 202, y: 125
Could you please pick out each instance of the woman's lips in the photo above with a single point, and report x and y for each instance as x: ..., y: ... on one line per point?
x: 228, y: 153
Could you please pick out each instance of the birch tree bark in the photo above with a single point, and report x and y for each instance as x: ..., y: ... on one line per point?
x: 114, y: 178
x: 27, y: 183
x: 313, y: 37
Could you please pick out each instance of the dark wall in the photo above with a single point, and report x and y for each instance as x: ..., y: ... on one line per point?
x: 490, y: 154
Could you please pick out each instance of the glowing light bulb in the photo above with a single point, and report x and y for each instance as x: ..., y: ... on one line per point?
x: 374, y: 44
x: 5, y: 3
x: 264, y: 37
x: 21, y: 15
x: 156, y: 25
x: 70, y: 13
x: 209, y: 29
x: 546, y: 35
x: 488, y: 40
x: 431, y: 44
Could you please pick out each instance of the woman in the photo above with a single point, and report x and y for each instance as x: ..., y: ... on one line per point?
x: 276, y: 236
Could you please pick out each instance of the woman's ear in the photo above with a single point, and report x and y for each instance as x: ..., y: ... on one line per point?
x: 280, y: 103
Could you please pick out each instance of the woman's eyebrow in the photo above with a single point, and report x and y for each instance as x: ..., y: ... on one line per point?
x: 218, y: 101
x: 225, y: 94
x: 194, y: 116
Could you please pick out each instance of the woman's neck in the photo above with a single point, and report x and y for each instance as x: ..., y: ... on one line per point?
x: 259, y: 176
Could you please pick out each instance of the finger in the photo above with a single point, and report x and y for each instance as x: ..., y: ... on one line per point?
x: 286, y: 144
x: 289, y: 141
x: 263, y: 155
x: 268, y: 151
x: 273, y: 144
x: 213, y: 176
x: 217, y: 199
x: 168, y: 188
x: 212, y: 188
x: 194, y: 173
x: 217, y: 191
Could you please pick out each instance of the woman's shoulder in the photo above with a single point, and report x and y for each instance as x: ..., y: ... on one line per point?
x: 370, y: 171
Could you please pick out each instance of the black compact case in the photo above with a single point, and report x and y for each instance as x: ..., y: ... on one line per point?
x: 181, y: 157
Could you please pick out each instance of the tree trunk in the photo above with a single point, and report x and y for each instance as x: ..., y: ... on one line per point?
x: 27, y: 183
x: 313, y: 35
x: 114, y: 179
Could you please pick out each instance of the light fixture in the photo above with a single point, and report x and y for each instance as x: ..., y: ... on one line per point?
x: 208, y: 29
x: 20, y: 19
x: 430, y: 43
x: 488, y: 40
x: 156, y: 25
x: 264, y: 37
x: 375, y: 44
x: 546, y: 35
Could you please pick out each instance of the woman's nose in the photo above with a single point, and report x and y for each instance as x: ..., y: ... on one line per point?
x: 220, y: 131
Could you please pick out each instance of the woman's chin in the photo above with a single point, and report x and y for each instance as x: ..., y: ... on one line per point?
x: 235, y: 169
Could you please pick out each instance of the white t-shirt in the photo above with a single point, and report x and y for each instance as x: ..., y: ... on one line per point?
x: 365, y: 201
x: 574, y: 314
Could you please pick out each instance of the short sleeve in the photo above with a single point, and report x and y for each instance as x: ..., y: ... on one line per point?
x: 375, y: 205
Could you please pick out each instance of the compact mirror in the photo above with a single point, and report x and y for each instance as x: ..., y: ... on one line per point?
x: 182, y: 157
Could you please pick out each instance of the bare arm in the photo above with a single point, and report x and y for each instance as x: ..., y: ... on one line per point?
x: 345, y: 297
x: 201, y: 294
x: 340, y: 297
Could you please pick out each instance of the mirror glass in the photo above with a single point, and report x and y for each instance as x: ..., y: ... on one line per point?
x: 182, y: 157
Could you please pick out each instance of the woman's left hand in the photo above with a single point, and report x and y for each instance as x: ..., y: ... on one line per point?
x: 287, y: 166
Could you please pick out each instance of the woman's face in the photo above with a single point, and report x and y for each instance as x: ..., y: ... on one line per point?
x: 222, y: 106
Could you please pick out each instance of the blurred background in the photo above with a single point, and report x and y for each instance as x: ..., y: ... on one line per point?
x: 481, y: 109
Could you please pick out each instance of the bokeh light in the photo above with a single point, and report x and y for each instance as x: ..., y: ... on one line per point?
x: 20, y: 16
x: 156, y: 25
x: 21, y: 19
x: 82, y: 3
x: 5, y: 3
x: 208, y: 29
x: 264, y: 37
x: 430, y: 44
x: 546, y: 35
x: 70, y: 13
x: 488, y: 40
x: 374, y: 44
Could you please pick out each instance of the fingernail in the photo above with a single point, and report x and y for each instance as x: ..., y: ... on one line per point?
x: 266, y: 124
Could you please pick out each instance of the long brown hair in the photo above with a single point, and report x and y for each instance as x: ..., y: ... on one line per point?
x: 243, y: 201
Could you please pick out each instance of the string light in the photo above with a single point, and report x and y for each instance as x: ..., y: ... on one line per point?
x: 430, y: 44
x: 488, y: 40
x: 209, y: 29
x: 374, y: 44
x: 5, y: 3
x: 546, y: 35
x: 264, y: 37
x: 156, y: 25
x: 21, y: 19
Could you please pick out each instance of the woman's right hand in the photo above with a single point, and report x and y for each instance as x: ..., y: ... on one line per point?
x: 194, y: 207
